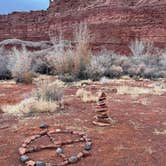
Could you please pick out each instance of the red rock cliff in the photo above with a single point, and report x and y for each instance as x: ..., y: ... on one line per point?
x: 112, y: 23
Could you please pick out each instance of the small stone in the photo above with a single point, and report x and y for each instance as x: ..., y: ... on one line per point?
x: 44, y: 132
x: 27, y: 141
x: 22, y: 151
x: 34, y: 137
x: 52, y: 131
x: 79, y: 155
x: 88, y: 146
x: 86, y: 153
x: 58, y: 130
x: 69, y: 141
x: 59, y: 151
x: 82, y: 139
x: 24, y: 145
x: 44, y: 126
x: 58, y: 143
x: 40, y: 163
x: 73, y: 159
x: 30, y: 163
x: 63, y: 163
x: 24, y: 158
x: 81, y: 133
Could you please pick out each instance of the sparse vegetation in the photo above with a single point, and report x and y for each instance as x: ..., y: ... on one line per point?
x: 20, y: 65
x: 49, y: 92
x: 46, y: 98
x: 70, y: 62
x: 86, y: 96
x: 73, y: 60
x: 4, y: 72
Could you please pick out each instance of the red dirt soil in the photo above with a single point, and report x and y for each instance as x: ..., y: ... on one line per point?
x: 13, y: 93
x: 132, y: 141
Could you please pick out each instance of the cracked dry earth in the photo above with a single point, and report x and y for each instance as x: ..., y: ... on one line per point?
x: 137, y: 139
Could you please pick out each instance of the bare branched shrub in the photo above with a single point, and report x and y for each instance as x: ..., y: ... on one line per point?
x: 86, y: 96
x: 67, y: 61
x: 112, y: 65
x: 137, y: 47
x: 147, y: 66
x: 20, y: 65
x: 4, y: 72
x: 105, y: 64
x: 98, y: 66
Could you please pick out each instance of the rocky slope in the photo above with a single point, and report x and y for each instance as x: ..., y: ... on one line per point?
x: 112, y: 23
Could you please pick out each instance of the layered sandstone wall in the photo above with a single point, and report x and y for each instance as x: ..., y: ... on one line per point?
x: 24, y: 25
x: 112, y: 23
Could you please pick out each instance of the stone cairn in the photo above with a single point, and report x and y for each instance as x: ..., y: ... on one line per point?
x: 24, y: 150
x: 102, y: 118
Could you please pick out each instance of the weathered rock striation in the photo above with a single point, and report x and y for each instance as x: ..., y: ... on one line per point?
x: 112, y: 23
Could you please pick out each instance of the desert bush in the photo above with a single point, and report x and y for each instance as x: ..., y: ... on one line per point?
x: 67, y: 61
x: 49, y: 92
x: 146, y: 66
x: 41, y: 65
x: 105, y: 64
x: 112, y: 65
x: 4, y: 72
x: 48, y: 97
x: 20, y: 65
x: 86, y: 96
x: 97, y: 67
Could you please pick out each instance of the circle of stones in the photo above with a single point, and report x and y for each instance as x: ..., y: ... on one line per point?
x: 57, y: 145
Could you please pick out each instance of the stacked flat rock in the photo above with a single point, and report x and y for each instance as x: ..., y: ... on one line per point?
x: 102, y: 118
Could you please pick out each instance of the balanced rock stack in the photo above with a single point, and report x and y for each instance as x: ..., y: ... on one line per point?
x: 102, y: 118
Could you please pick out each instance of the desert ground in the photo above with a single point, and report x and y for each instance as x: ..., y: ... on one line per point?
x: 136, y: 139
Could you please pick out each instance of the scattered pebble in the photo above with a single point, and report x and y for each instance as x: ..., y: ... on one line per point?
x: 30, y: 163
x: 24, y: 158
x: 22, y: 151
x: 59, y: 151
x: 44, y: 126
x: 40, y: 163
x: 73, y: 159
x: 88, y: 146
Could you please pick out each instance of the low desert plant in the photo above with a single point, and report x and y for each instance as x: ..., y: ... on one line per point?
x: 70, y: 62
x: 46, y: 98
x: 4, y: 72
x: 20, y: 65
x: 86, y: 96
x: 137, y: 47
x: 41, y: 106
x: 105, y: 64
x: 49, y: 92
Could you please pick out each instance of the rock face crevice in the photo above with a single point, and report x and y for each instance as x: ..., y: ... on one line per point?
x: 112, y: 23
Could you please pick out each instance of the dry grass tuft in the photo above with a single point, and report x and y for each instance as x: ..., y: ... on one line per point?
x: 86, y: 96
x: 50, y: 92
x: 47, y: 98
x: 136, y: 91
x: 42, y: 106
x: 31, y: 105
x: 20, y: 64
x: 19, y: 109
